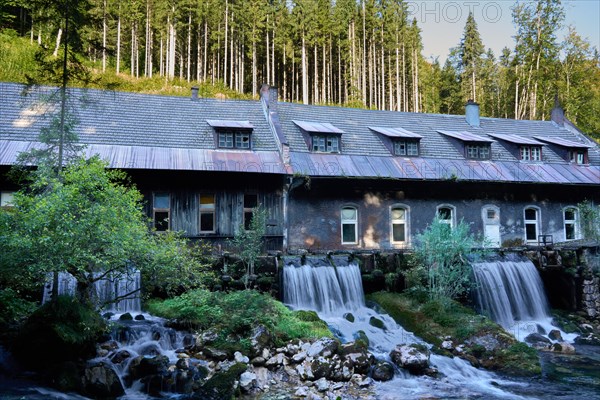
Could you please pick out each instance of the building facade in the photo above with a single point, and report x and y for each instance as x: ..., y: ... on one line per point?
x: 331, y: 178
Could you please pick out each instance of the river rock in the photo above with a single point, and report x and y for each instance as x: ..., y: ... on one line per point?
x: 323, y: 347
x: 349, y: 317
x: 377, y: 323
x: 141, y: 367
x: 412, y: 357
x: 361, y: 362
x: 100, y: 380
x: 382, y: 371
x: 589, y: 339
x: 260, y: 339
x: 321, y: 367
x: 239, y: 357
x: 299, y: 357
x: 247, y: 381
x: 555, y: 335
x: 537, y: 340
x: 120, y: 356
x: 562, y: 347
x: 322, y: 385
x: 215, y: 354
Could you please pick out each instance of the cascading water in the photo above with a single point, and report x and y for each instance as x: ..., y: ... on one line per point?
x: 335, y: 292
x: 116, y: 292
x: 511, y: 292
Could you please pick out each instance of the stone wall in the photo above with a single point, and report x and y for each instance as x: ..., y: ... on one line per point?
x: 591, y: 296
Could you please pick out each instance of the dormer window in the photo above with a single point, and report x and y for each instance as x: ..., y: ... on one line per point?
x: 529, y: 149
x: 325, y: 143
x: 400, y: 141
x: 531, y: 153
x: 578, y: 156
x: 480, y: 151
x: 232, y: 134
x: 574, y: 152
x: 475, y: 147
x: 406, y: 148
x: 321, y: 137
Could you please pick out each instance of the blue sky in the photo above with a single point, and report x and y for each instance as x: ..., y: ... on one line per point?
x: 442, y: 22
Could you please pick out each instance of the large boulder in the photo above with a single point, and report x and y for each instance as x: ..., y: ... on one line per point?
x: 589, y: 339
x: 382, y: 371
x: 537, y: 341
x: 100, y: 380
x: 325, y: 347
x: 222, y: 384
x: 260, y: 339
x: 413, y: 357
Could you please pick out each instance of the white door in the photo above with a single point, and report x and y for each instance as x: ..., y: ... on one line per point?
x: 491, y: 225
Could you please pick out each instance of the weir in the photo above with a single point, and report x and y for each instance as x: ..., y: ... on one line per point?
x: 332, y: 287
x: 124, y: 286
x: 510, y: 292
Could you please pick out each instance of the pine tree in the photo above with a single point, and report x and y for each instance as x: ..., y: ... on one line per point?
x: 471, y: 51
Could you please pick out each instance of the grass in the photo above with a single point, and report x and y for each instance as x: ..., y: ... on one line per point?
x: 234, y: 315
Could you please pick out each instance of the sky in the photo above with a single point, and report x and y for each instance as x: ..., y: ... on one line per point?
x: 442, y: 23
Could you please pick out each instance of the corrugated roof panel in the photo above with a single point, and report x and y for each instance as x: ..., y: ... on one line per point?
x: 223, y: 123
x: 466, y: 136
x: 564, y: 142
x: 363, y: 164
x: 516, y: 139
x: 395, y: 132
x: 320, y: 127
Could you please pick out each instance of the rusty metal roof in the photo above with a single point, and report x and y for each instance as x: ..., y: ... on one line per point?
x: 466, y: 136
x: 164, y: 158
x: 318, y: 127
x: 416, y: 168
x: 395, y: 132
x: 516, y: 139
x: 223, y: 123
x: 563, y: 142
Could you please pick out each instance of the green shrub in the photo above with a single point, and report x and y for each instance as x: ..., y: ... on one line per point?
x: 13, y: 309
x: 235, y: 314
x: 59, y: 331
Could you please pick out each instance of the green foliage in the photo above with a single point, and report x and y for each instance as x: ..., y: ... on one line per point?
x: 248, y: 242
x: 236, y: 313
x: 16, y: 57
x: 174, y: 265
x: 58, y: 331
x: 13, y: 308
x: 443, y: 251
x: 590, y: 220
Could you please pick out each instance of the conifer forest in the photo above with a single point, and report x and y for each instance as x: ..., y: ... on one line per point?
x: 357, y: 53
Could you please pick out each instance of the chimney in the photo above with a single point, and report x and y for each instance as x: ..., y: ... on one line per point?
x: 194, y: 92
x: 269, y: 95
x: 472, y: 113
x: 558, y: 114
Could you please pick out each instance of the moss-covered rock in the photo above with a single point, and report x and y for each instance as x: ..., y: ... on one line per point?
x: 221, y: 386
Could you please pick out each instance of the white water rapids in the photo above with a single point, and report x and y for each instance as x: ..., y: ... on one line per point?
x: 334, y: 292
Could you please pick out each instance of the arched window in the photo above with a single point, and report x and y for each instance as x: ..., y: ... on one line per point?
x: 399, y: 221
x: 349, y: 220
x: 447, y: 215
x: 532, y: 224
x: 571, y: 219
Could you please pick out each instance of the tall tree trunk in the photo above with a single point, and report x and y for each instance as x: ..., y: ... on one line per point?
x: 304, y: 72
x: 225, y: 63
x: 118, y: 66
x: 189, y: 49
x: 104, y: 28
x: 58, y: 36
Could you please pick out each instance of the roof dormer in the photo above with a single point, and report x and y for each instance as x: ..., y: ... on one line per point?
x: 231, y: 134
x: 574, y: 152
x: 321, y: 137
x: 525, y: 149
x: 474, y: 147
x: 399, y: 141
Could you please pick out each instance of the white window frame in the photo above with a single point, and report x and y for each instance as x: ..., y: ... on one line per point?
x: 249, y: 210
x: 228, y: 139
x: 406, y: 148
x: 574, y: 222
x: 478, y: 151
x: 404, y: 221
x: 531, y: 153
x: 450, y: 222
x: 6, y: 198
x: 490, y: 221
x: 349, y: 221
x: 535, y: 222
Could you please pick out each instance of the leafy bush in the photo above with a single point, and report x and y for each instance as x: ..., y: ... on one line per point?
x: 13, y: 309
x: 59, y: 331
x: 236, y: 313
x: 443, y: 251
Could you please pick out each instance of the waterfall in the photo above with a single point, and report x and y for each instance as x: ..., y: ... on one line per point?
x: 334, y: 292
x: 122, y: 286
x: 511, y: 292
